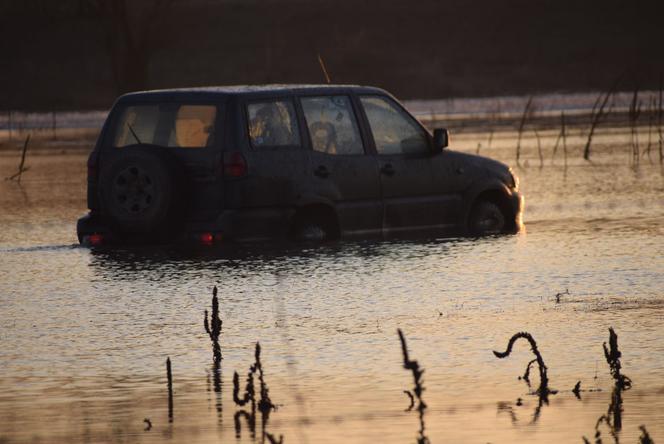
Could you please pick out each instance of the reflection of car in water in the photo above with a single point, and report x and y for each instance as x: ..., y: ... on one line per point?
x: 301, y: 162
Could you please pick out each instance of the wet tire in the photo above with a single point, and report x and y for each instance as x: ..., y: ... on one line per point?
x: 309, y: 231
x: 142, y: 191
x: 486, y: 218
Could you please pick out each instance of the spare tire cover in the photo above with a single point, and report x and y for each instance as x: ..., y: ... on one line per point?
x: 142, y: 190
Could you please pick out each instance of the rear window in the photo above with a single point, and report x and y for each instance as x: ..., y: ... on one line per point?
x: 172, y: 125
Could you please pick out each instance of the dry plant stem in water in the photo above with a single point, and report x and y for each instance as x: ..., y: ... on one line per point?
x: 543, y: 389
x: 526, y: 113
x: 612, y: 355
x: 645, y: 437
x: 21, y: 167
x: 265, y: 404
x: 597, y: 114
x: 169, y: 377
x: 417, y: 372
x: 213, y: 326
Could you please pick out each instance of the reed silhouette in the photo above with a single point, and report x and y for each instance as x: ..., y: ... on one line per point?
x: 213, y: 326
x: 169, y: 377
x: 527, y: 111
x: 634, y: 113
x: 21, y: 166
x: 613, y: 355
x: 418, y: 389
x: 597, y: 114
x: 264, y: 404
x: 645, y: 437
x: 613, y: 416
x: 543, y: 389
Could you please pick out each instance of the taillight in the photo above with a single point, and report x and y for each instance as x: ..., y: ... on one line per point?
x: 235, y: 164
x: 209, y: 238
x: 93, y: 240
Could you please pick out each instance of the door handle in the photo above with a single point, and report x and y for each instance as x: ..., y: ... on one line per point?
x: 321, y: 172
x: 387, y: 169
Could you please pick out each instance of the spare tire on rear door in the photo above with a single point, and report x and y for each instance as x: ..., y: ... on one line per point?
x: 143, y: 190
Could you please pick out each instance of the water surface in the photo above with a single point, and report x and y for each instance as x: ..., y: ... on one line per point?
x: 85, y: 334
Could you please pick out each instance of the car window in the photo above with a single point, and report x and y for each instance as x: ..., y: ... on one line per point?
x: 332, y: 125
x: 172, y: 125
x: 394, y: 131
x: 273, y: 123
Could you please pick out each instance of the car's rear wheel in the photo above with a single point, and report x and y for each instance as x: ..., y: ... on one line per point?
x: 316, y: 223
x: 143, y: 191
x: 486, y: 218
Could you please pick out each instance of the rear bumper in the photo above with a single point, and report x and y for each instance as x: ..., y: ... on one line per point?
x: 230, y: 225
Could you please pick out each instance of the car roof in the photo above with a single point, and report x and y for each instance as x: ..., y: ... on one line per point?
x: 213, y: 92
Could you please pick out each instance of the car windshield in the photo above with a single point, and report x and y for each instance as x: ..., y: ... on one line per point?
x: 169, y: 125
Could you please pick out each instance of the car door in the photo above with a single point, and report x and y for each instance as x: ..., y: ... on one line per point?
x: 403, y: 154
x: 340, y: 169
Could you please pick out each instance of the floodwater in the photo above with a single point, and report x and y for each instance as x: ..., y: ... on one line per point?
x: 85, y: 334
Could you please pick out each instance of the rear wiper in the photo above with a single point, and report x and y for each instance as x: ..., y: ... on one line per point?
x: 133, y: 133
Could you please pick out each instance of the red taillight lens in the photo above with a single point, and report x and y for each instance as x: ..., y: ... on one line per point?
x: 235, y: 164
x: 95, y: 240
x: 206, y: 238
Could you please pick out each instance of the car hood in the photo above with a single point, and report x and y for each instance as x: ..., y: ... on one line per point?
x: 481, y: 164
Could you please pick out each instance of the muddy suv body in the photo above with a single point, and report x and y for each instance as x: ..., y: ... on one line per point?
x: 291, y: 161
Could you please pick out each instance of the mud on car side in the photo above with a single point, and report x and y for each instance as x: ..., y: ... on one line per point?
x: 314, y: 162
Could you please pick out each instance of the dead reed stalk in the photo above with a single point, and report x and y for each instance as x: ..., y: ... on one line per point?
x: 169, y: 377
x: 645, y: 437
x: 543, y: 389
x: 274, y: 440
x: 612, y: 355
x: 596, y: 115
x: 265, y: 404
x: 651, y: 115
x: 660, y: 114
x: 417, y: 372
x: 213, y: 327
x: 526, y: 113
x: 634, y: 113
x: 21, y: 166
x: 539, y: 149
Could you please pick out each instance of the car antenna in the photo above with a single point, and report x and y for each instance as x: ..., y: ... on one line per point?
x: 322, y: 66
x: 133, y: 133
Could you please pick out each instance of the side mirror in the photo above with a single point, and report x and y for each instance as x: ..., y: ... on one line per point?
x: 441, y: 139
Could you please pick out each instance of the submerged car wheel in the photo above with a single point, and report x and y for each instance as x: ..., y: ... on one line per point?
x: 311, y: 232
x: 142, y: 191
x: 486, y: 218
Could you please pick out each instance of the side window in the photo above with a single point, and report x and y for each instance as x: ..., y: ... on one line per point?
x: 332, y: 125
x: 394, y: 131
x: 170, y: 124
x: 272, y: 123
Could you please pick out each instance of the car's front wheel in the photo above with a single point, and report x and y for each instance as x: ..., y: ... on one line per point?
x: 486, y: 218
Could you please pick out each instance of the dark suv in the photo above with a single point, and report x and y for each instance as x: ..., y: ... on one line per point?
x: 283, y: 161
